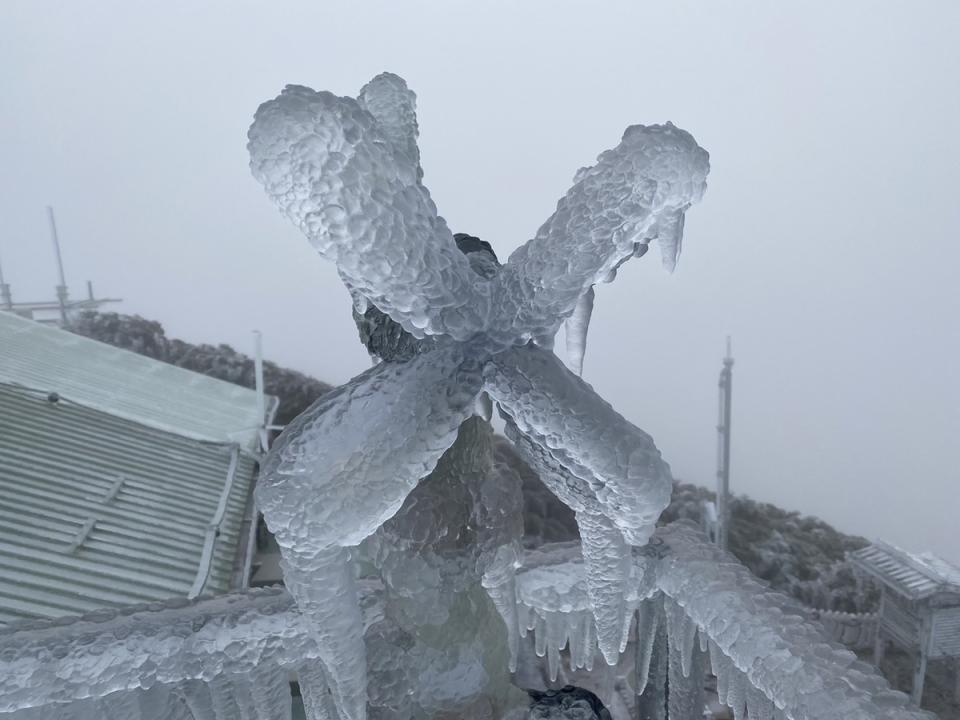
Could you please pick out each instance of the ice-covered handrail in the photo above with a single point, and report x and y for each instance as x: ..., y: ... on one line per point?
x: 212, y: 654
x: 765, y: 651
x: 169, y: 642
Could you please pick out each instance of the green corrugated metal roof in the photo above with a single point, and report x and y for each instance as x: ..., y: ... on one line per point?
x: 126, y: 384
x: 150, y: 493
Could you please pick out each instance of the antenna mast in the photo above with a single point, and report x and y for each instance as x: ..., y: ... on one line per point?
x: 62, y: 287
x: 5, y: 297
x: 723, y: 449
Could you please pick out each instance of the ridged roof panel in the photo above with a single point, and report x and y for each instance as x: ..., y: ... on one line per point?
x: 126, y: 384
x: 99, y: 511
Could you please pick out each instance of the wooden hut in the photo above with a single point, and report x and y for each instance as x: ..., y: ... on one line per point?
x: 919, y: 606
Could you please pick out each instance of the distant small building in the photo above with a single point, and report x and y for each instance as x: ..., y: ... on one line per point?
x: 919, y: 605
x: 52, y: 312
x: 122, y: 479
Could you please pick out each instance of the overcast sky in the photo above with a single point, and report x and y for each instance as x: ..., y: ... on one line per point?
x: 826, y: 244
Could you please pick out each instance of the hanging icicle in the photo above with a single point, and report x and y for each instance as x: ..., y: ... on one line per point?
x: 575, y: 329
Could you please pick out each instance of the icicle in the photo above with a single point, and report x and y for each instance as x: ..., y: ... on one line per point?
x: 540, y: 637
x: 627, y: 625
x: 241, y: 688
x: 360, y: 302
x: 670, y: 236
x: 271, y: 693
x: 196, y: 695
x: 704, y: 640
x: 647, y: 621
x: 578, y: 638
x: 590, y: 646
x: 524, y: 618
x: 737, y: 695
x: 575, y: 328
x: 686, y: 680
x: 607, y: 558
x: 160, y: 703
x: 652, y: 703
x: 223, y: 697
x: 682, y: 632
x: 722, y: 668
x: 317, y: 701
x: 323, y: 584
x: 483, y: 407
x: 556, y: 626
x: 759, y: 706
x: 500, y: 582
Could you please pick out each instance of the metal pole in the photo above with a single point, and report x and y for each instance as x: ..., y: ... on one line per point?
x: 62, y: 287
x: 723, y: 449
x: 5, y: 297
x: 258, y: 385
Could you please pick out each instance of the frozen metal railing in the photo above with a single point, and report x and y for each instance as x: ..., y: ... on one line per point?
x: 770, y: 658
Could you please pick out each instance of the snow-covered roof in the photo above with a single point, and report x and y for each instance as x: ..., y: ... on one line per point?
x: 125, y: 384
x: 917, y: 576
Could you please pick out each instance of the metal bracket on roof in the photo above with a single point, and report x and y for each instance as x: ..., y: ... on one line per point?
x: 113, y: 490
x: 213, y: 528
x: 82, y: 534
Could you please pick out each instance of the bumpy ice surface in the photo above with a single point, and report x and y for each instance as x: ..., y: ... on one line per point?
x: 347, y: 173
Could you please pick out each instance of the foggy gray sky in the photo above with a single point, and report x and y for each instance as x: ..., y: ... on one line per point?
x: 826, y: 243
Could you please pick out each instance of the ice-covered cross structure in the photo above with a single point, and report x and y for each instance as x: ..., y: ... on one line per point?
x: 409, y: 596
x: 347, y: 173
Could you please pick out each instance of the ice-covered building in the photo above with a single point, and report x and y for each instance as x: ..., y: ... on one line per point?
x: 122, y: 479
x: 919, y: 605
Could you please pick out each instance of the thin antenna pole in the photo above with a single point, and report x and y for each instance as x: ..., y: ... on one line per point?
x: 258, y: 385
x: 5, y: 297
x: 723, y: 448
x: 62, y: 287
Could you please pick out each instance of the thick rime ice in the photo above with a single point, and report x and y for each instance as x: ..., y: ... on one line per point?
x: 769, y: 659
x: 314, y: 689
x: 607, y: 558
x: 145, y: 663
x: 450, y: 329
x: 322, y: 582
x: 608, y: 466
x: 399, y: 533
x: 347, y: 172
x: 214, y: 654
x: 441, y: 647
x: 394, y: 107
x: 309, y: 492
x: 637, y: 191
x: 353, y: 187
x: 314, y: 505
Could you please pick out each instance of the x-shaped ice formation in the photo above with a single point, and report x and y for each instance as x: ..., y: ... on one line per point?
x: 347, y: 173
